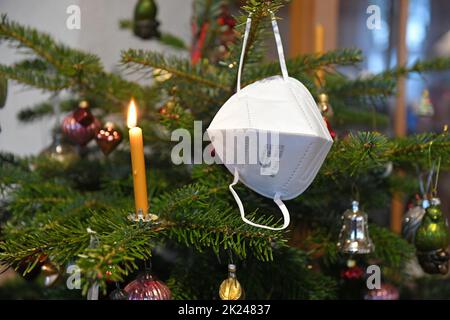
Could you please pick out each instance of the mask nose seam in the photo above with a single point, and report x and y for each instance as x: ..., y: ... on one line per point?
x: 299, y: 163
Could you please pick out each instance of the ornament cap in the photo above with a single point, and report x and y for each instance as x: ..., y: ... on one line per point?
x: 109, y: 125
x: 351, y: 263
x: 435, y: 201
x: 355, y: 206
x: 232, y: 267
x: 425, y: 203
x: 323, y: 97
x: 83, y: 104
x: 324, y: 105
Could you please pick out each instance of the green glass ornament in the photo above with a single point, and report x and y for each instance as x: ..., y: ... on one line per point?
x: 3, y: 91
x: 145, y: 25
x: 432, y: 239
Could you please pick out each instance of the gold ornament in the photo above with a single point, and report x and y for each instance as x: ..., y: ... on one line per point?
x: 59, y: 151
x: 51, y: 273
x: 324, y: 105
x: 230, y: 289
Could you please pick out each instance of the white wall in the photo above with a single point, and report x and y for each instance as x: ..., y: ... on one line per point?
x: 99, y: 34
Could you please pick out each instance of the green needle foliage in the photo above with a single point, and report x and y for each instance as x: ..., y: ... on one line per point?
x: 77, y: 212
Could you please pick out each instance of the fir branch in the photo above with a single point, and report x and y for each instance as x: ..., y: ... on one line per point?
x: 36, y: 112
x: 307, y: 63
x: 364, y: 151
x: 393, y: 251
x: 377, y: 86
x: 69, y: 62
x: 140, y: 59
x: 166, y: 38
x: 34, y: 78
x: 193, y: 220
x: 436, y: 64
x: 71, y: 68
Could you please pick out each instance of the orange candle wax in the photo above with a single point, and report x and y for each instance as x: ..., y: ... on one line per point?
x: 137, y: 161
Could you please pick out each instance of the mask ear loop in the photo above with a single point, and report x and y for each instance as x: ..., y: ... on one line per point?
x: 276, y: 33
x: 248, y: 26
x: 276, y: 199
x: 279, y: 44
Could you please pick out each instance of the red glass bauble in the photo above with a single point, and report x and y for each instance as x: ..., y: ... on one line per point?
x: 330, y: 129
x: 83, y: 115
x: 77, y: 133
x: 352, y: 273
x: 147, y: 287
x: 108, y: 138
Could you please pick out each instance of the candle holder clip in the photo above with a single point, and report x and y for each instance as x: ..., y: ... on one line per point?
x: 139, y: 217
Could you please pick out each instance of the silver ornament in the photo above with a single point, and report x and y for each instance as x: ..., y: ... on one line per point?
x: 412, y: 220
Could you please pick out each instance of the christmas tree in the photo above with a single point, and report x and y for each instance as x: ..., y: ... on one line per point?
x: 69, y: 208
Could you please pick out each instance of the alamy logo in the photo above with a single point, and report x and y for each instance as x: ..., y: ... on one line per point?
x: 374, y: 278
x: 374, y: 20
x: 73, y: 21
x: 74, y: 279
x: 239, y: 146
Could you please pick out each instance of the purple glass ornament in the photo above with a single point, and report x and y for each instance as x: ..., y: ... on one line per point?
x: 147, y: 287
x: 386, y: 292
x: 77, y: 133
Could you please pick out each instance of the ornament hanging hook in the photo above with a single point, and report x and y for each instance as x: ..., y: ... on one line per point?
x: 148, y: 265
x: 420, y: 179
x: 438, y: 167
x: 355, y: 192
x: 230, y: 256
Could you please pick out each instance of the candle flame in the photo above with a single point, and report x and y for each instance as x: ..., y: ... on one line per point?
x: 132, y: 114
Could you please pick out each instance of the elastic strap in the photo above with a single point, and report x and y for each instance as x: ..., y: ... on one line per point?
x: 281, y: 58
x: 276, y: 199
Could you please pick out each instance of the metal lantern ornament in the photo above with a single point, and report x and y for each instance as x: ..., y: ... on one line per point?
x: 145, y: 25
x: 432, y: 239
x: 147, y: 287
x: 412, y: 219
x: 354, y: 236
x: 230, y: 288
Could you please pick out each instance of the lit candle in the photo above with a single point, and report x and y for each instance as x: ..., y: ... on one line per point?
x: 137, y: 162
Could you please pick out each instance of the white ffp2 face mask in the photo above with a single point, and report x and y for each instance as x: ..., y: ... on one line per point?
x: 271, y: 136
